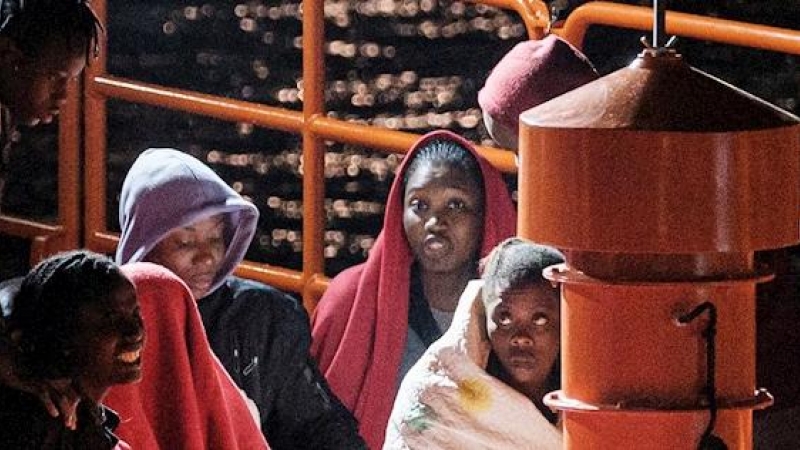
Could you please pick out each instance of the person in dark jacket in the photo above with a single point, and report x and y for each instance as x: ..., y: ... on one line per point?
x: 75, y: 317
x: 43, y: 45
x: 175, y: 211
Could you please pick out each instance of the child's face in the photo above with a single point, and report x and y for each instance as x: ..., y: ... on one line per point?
x: 523, y: 327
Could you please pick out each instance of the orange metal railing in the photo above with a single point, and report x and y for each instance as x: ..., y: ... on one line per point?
x: 312, y: 124
x: 680, y: 24
x: 63, y: 234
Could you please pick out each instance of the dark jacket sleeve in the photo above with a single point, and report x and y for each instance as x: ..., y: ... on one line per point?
x: 298, y: 410
x: 305, y: 406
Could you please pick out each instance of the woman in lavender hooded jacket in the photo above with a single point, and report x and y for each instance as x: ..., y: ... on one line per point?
x: 175, y: 211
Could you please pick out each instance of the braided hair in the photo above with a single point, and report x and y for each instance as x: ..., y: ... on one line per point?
x: 47, y: 308
x: 35, y: 24
x: 449, y: 153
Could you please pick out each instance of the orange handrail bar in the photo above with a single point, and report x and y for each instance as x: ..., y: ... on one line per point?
x: 277, y: 118
x: 197, y: 103
x: 394, y: 141
x: 24, y: 228
x: 681, y: 24
x: 284, y: 279
x: 534, y: 14
x: 312, y: 123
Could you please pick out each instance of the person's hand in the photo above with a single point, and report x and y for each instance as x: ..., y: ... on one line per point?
x: 58, y: 397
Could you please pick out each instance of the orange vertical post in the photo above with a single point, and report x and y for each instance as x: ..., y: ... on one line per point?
x: 659, y: 182
x: 313, y: 148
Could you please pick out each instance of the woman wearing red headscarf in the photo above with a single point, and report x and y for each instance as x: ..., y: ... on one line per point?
x: 185, y: 399
x: 447, y: 208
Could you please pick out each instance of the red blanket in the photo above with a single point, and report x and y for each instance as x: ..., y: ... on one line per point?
x: 185, y: 400
x: 360, y: 325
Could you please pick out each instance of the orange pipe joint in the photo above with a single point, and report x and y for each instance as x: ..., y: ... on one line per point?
x: 630, y: 357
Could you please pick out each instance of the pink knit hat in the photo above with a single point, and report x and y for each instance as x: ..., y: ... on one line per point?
x: 532, y: 73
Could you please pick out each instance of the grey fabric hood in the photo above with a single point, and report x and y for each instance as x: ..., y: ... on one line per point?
x: 166, y: 189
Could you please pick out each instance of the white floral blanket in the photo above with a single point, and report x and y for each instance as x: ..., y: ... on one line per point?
x: 448, y: 401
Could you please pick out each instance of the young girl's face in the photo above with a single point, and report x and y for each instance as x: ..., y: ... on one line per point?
x: 523, y: 327
x: 443, y: 217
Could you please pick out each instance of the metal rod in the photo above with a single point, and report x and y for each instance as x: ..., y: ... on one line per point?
x: 659, y: 23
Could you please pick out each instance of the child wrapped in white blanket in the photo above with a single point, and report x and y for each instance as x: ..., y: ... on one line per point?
x: 481, y: 384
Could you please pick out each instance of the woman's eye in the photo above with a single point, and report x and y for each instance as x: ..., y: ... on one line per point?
x: 56, y: 77
x: 504, y: 320
x: 540, y: 320
x: 418, y: 205
x: 185, y: 244
x: 457, y: 205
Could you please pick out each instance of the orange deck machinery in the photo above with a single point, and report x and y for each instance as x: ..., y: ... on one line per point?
x: 659, y: 182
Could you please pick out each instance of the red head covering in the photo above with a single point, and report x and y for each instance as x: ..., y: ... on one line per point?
x: 185, y: 399
x: 360, y: 325
x: 532, y: 73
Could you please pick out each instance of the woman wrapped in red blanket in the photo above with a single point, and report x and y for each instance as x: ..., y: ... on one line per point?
x: 447, y: 208
x: 185, y: 399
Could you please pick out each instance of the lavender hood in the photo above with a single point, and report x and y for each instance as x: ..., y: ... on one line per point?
x: 167, y: 189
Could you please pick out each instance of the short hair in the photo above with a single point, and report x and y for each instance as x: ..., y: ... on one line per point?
x: 516, y: 262
x: 35, y: 24
x: 47, y: 308
x: 447, y: 152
